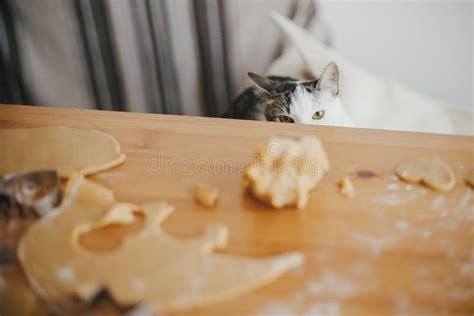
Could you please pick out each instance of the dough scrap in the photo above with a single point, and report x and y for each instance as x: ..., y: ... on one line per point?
x: 68, y: 150
x: 470, y: 178
x: 432, y: 172
x: 206, y: 194
x: 149, y: 267
x: 285, y: 170
x: 346, y: 186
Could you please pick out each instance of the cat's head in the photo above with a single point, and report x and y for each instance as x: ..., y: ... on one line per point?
x: 305, y: 102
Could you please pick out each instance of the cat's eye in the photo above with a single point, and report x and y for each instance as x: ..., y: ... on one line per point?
x: 318, y: 115
x: 285, y: 119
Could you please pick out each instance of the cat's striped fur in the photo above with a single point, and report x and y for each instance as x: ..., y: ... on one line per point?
x: 285, y: 99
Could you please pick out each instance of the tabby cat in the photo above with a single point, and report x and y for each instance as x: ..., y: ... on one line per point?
x: 287, y: 100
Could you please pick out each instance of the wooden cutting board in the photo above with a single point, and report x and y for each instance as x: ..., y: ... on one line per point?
x: 393, y: 249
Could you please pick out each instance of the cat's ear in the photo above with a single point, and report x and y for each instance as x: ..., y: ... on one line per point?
x: 262, y: 82
x: 329, y: 80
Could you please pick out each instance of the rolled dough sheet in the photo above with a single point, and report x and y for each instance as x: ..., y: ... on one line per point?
x: 149, y: 267
x: 68, y: 150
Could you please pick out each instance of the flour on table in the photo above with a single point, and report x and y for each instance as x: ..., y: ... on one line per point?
x: 402, y: 304
x: 274, y: 309
x: 66, y: 274
x: 327, y: 308
x: 437, y: 203
x: 425, y: 234
x: 333, y: 284
x: 401, y: 225
x: 376, y: 244
x: 138, y: 284
x: 141, y: 310
x: 393, y: 187
x: 394, y: 199
x: 464, y: 202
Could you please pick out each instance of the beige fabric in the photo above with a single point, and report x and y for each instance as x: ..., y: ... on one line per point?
x: 252, y: 39
x: 51, y: 54
x: 57, y: 72
x: 185, y: 48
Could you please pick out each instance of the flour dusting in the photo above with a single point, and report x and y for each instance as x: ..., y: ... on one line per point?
x: 141, y: 310
x: 425, y: 234
x: 362, y: 268
x: 138, y: 284
x: 393, y: 187
x: 437, y: 203
x: 66, y: 274
x: 465, y: 199
x: 333, y: 284
x: 276, y: 309
x: 402, y: 304
x: 330, y: 308
x: 393, y: 199
x: 375, y: 243
x: 401, y: 225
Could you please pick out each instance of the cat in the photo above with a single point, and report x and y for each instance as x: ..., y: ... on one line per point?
x: 288, y: 100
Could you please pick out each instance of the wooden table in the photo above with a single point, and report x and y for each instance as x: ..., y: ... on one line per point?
x: 393, y: 249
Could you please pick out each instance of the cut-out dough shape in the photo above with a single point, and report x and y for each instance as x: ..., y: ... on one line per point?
x: 432, y: 172
x: 150, y: 267
x: 346, y: 187
x: 470, y: 178
x: 68, y: 150
x: 285, y: 170
x: 206, y: 194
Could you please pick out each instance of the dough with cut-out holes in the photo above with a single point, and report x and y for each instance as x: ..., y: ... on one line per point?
x: 149, y: 266
x: 68, y: 150
x: 432, y: 172
x: 285, y: 170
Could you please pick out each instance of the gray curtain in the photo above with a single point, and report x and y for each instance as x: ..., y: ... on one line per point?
x: 163, y: 56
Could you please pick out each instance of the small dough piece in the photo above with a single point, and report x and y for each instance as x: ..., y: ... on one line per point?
x: 432, y: 172
x: 346, y: 186
x: 285, y: 170
x: 206, y: 194
x: 68, y: 150
x: 470, y: 178
x: 149, y: 266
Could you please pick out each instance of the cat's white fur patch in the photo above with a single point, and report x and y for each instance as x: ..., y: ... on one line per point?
x: 304, y: 104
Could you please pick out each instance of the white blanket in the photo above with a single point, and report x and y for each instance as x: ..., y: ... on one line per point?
x: 370, y: 101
